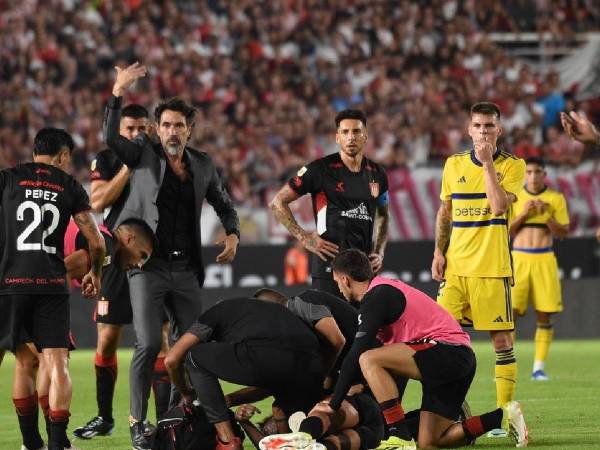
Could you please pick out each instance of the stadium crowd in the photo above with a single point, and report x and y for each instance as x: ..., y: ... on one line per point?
x: 268, y: 77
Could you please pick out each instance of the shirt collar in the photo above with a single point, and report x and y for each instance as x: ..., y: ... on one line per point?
x: 477, y: 162
x: 533, y: 193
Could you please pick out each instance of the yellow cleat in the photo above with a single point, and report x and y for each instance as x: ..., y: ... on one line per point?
x: 395, y: 443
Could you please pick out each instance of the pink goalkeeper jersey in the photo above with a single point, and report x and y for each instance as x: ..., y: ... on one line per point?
x: 423, y: 319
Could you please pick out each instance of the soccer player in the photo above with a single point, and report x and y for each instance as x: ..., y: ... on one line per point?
x: 472, y: 257
x: 253, y: 343
x: 333, y: 319
x: 540, y: 215
x: 37, y: 201
x: 109, y: 186
x: 422, y: 341
x: 168, y: 185
x: 358, y: 424
x: 349, y: 197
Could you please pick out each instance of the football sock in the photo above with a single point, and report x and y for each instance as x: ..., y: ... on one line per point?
x: 506, y: 376
x: 59, y: 420
x: 44, y: 402
x: 543, y: 338
x: 477, y: 425
x: 412, y: 421
x: 313, y: 426
x: 161, y: 385
x: 27, y: 412
x: 106, y: 378
x: 394, y: 418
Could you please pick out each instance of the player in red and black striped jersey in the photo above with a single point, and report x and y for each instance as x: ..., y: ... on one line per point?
x: 38, y: 200
x: 350, y: 202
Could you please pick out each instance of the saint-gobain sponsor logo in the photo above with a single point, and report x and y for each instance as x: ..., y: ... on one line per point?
x: 360, y: 212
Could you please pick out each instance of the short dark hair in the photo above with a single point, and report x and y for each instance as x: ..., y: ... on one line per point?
x: 488, y: 108
x: 175, y: 104
x: 143, y: 230
x: 270, y: 295
x: 135, y: 111
x: 50, y: 141
x: 535, y: 160
x: 355, y: 114
x: 354, y: 263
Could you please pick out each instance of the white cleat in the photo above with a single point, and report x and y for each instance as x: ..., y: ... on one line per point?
x: 295, y: 420
x: 514, y: 423
x: 289, y: 441
x: 44, y: 447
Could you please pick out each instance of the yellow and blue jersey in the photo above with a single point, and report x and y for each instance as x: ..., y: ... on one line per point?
x: 479, y: 243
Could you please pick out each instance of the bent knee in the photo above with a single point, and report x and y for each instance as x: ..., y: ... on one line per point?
x: 367, y: 359
x: 502, y: 340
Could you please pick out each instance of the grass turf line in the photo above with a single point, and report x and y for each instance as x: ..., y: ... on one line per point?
x: 561, y: 414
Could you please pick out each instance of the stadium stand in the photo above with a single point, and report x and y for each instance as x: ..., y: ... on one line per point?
x: 268, y: 78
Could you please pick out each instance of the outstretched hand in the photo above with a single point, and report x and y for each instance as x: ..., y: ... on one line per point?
x: 126, y: 77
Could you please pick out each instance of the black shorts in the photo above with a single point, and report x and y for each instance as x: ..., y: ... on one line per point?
x: 371, y: 425
x: 115, y: 289
x: 447, y: 372
x: 41, y: 319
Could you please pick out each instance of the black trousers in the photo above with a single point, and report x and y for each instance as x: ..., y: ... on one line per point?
x: 327, y: 285
x: 159, y: 286
x: 294, y: 377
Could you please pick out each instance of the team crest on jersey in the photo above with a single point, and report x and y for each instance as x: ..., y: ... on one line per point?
x: 93, y: 167
x: 302, y: 171
x: 499, y: 176
x: 374, y: 187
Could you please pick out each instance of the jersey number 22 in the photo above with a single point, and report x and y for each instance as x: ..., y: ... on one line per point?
x: 38, y: 217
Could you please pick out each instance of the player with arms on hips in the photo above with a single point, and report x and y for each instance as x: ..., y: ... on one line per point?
x: 540, y: 215
x: 38, y: 200
x: 350, y: 200
x: 472, y: 256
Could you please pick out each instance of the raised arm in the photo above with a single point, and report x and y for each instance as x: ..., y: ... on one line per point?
x: 129, y: 151
x: 311, y: 241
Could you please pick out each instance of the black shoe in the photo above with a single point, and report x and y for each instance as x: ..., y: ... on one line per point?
x: 139, y: 441
x: 149, y: 428
x: 95, y: 427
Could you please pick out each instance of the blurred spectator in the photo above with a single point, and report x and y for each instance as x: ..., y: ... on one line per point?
x: 268, y: 77
x: 296, y: 265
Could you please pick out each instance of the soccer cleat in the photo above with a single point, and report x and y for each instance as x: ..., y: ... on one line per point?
x: 514, y: 424
x: 149, y: 428
x: 539, y: 375
x: 43, y: 447
x: 139, y: 441
x: 95, y: 427
x: 233, y: 444
x: 497, y: 433
x: 295, y: 420
x: 289, y: 441
x: 72, y: 447
x: 396, y: 443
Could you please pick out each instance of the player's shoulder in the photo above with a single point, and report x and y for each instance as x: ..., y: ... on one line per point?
x: 459, y: 158
x: 510, y: 159
x: 372, y: 166
x: 552, y: 193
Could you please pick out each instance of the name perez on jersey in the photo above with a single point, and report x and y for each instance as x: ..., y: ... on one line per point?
x: 41, y: 194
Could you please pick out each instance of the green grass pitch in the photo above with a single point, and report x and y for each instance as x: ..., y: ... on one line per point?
x: 562, y: 413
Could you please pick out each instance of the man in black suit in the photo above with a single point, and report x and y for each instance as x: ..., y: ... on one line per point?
x: 168, y: 185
